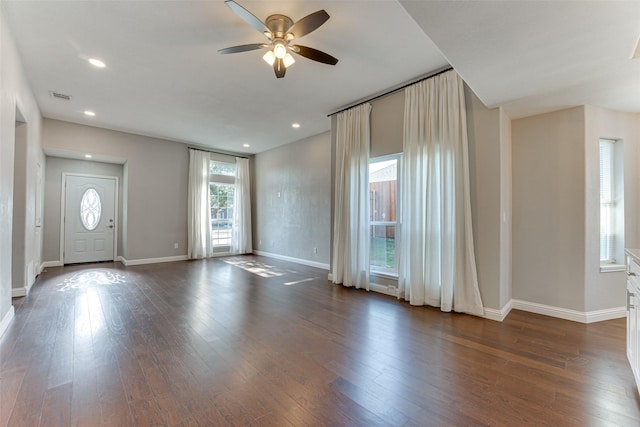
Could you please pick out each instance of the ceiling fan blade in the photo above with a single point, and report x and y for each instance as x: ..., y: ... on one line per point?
x: 243, y: 48
x: 279, y: 68
x: 309, y: 23
x: 247, y: 16
x: 314, y: 54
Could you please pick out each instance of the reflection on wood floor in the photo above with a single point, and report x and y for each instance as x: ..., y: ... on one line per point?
x: 256, y: 341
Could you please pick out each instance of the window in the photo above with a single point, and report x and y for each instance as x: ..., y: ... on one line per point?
x: 383, y: 208
x: 221, y: 199
x: 611, y: 202
x: 90, y: 209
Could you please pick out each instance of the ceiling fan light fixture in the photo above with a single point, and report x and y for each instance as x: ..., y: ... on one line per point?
x: 288, y: 60
x: 269, y: 58
x: 279, y: 49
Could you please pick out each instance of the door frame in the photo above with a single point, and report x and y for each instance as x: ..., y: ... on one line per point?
x: 63, y: 202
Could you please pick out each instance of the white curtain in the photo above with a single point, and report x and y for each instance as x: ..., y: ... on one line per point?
x: 241, y: 237
x: 436, y: 261
x: 350, y: 263
x: 199, y: 210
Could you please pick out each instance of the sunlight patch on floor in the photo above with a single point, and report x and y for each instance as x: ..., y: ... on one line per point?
x: 89, y: 278
x: 310, y: 279
x: 256, y: 267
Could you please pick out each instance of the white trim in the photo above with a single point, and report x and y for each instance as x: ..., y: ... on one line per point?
x: 610, y: 267
x: 607, y: 314
x: 498, y: 315
x: 142, y: 261
x: 6, y: 320
x: 63, y: 204
x: 384, y: 289
x: 47, y: 264
x: 295, y: 260
x: 19, y: 292
x: 568, y: 314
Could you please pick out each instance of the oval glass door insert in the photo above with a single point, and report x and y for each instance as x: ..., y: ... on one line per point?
x: 90, y: 209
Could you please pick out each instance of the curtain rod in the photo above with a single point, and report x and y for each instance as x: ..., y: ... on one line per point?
x: 217, y: 152
x: 390, y: 91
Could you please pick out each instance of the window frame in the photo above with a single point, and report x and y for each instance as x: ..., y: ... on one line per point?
x: 226, y: 180
x: 611, y: 201
x: 397, y: 223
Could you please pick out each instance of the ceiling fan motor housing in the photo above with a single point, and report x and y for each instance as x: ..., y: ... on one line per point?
x: 279, y: 25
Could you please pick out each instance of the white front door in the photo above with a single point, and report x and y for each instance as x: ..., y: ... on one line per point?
x: 89, y: 219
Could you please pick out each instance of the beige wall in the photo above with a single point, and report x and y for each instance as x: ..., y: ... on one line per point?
x: 387, y: 116
x: 506, y: 219
x: 549, y: 209
x: 606, y: 290
x: 16, y: 95
x: 154, y: 184
x: 484, y: 132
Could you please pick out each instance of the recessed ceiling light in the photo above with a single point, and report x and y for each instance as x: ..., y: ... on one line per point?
x: 88, y: 156
x: 246, y: 145
x: 295, y: 125
x: 97, y: 63
x: 89, y: 113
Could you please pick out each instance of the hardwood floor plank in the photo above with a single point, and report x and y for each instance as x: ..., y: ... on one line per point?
x: 247, y: 340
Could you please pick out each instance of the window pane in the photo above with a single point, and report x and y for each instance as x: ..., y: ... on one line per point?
x: 222, y: 202
x: 383, y: 248
x: 607, y: 201
x: 90, y: 209
x: 383, y: 187
x: 382, y: 190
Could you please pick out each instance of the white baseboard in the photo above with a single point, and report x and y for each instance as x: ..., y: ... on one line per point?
x: 19, y: 292
x: 51, y: 264
x: 498, y: 315
x: 295, y: 260
x: 142, y: 261
x: 6, y: 320
x: 608, y: 314
x: 568, y: 314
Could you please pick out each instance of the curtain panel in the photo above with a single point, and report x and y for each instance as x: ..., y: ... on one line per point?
x: 436, y: 254
x: 241, y: 236
x: 198, y: 210
x: 350, y: 261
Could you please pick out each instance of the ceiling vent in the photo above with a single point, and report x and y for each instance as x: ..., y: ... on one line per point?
x: 60, y: 95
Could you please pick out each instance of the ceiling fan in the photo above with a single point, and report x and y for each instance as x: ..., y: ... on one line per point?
x: 281, y: 32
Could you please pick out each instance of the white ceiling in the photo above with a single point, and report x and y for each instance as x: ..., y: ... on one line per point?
x: 164, y: 77
x: 536, y: 56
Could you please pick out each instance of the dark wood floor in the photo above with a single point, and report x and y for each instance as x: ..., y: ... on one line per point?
x: 255, y: 341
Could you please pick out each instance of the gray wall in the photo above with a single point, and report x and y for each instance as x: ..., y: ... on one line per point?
x: 549, y: 209
x: 18, y: 273
x: 55, y: 166
x: 16, y: 95
x: 154, y: 184
x: 298, y: 219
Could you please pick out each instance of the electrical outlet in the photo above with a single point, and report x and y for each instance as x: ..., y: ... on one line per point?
x: 315, y: 250
x: 260, y: 242
x: 175, y: 246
